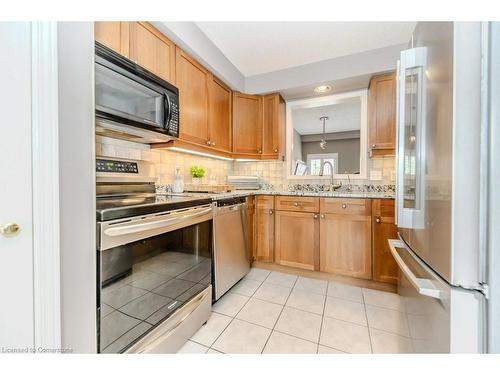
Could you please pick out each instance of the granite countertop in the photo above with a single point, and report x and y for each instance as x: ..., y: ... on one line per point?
x: 302, y: 193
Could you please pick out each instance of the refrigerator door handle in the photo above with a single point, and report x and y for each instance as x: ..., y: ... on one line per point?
x: 424, y: 286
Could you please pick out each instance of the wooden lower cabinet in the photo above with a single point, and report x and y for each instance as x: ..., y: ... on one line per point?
x: 250, y: 200
x: 297, y: 239
x: 345, y: 244
x: 264, y: 228
x: 385, y: 268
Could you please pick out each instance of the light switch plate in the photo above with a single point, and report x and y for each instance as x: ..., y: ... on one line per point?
x: 375, y: 175
x: 393, y: 175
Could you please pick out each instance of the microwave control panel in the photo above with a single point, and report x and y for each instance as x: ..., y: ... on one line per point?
x: 116, y: 166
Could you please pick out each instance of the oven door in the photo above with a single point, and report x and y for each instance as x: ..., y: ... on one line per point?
x: 151, y: 269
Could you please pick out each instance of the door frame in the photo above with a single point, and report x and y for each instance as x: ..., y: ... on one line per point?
x: 45, y: 180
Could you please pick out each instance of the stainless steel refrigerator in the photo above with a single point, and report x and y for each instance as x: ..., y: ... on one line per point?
x: 441, y: 201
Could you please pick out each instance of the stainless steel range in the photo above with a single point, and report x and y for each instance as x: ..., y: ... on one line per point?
x: 155, y: 261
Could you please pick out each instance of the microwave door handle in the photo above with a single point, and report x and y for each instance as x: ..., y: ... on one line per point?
x: 424, y: 287
x: 168, y: 111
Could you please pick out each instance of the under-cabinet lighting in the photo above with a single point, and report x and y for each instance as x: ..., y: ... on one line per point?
x: 322, y: 88
x: 186, y: 151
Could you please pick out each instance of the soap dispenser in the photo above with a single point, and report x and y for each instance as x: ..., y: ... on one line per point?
x: 178, y: 185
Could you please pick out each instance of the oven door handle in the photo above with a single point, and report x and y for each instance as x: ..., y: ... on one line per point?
x: 143, y: 227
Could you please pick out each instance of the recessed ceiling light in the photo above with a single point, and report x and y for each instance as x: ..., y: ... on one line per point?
x: 322, y: 88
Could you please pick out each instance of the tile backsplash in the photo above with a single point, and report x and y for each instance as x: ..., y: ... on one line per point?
x: 380, y: 171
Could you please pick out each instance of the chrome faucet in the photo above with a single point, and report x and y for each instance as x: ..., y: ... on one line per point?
x: 349, y: 187
x: 322, y: 170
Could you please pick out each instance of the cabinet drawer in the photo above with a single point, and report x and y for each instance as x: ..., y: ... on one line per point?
x: 348, y: 206
x: 298, y: 204
x: 264, y: 202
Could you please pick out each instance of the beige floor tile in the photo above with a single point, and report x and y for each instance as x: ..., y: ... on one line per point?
x: 192, y: 348
x: 312, y: 285
x: 342, y: 309
x: 209, y: 332
x: 306, y: 301
x: 283, y: 279
x: 285, y: 344
x: 344, y: 291
x: 326, y: 350
x: 384, y: 342
x: 387, y: 320
x: 242, y: 337
x: 344, y: 336
x: 246, y: 287
x: 384, y: 299
x: 230, y: 304
x: 302, y: 324
x: 257, y: 274
x: 273, y: 293
x: 260, y: 312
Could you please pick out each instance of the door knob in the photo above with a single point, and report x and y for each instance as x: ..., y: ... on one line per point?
x: 377, y: 220
x: 9, y: 229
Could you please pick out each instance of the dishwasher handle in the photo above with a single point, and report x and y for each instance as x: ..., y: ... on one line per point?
x: 234, y: 207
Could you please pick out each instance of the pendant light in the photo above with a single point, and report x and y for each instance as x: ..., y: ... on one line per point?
x: 322, y: 143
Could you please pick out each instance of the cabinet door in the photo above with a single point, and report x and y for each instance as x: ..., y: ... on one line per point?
x: 152, y: 50
x: 192, y: 81
x: 385, y: 268
x: 273, y: 124
x: 114, y: 35
x: 247, y: 124
x: 219, y: 114
x: 264, y: 228
x: 345, y: 245
x: 297, y: 239
x: 382, y: 115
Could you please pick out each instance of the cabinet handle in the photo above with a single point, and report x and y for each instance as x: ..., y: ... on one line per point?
x: 322, y: 216
x: 296, y: 204
x: 260, y: 151
x: 344, y: 206
x: 374, y: 145
x: 316, y: 216
x: 213, y: 144
x: 275, y: 150
x: 377, y: 219
x: 271, y: 212
x: 209, y: 143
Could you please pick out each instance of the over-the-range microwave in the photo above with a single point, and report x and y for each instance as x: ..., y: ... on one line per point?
x: 132, y: 103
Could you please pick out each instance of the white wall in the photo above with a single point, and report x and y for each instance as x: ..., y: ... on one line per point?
x: 77, y: 185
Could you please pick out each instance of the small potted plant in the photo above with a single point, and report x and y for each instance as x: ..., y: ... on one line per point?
x: 197, y: 174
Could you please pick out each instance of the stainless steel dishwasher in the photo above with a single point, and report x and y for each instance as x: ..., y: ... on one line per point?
x: 230, y: 244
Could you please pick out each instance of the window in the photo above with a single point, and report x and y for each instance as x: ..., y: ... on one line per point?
x: 314, y: 162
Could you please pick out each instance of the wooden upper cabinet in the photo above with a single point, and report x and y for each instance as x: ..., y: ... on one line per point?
x: 385, y: 268
x: 273, y: 128
x: 264, y: 228
x: 382, y: 115
x: 114, y: 35
x: 297, y: 239
x: 345, y: 240
x: 219, y: 114
x: 247, y: 124
x: 192, y: 80
x: 152, y: 50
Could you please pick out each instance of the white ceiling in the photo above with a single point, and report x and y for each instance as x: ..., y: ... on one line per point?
x: 342, y: 117
x: 262, y: 47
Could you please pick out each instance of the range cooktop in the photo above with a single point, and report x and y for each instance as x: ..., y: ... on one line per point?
x: 130, y: 205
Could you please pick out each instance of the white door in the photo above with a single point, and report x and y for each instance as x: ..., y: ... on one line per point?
x: 16, y: 250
